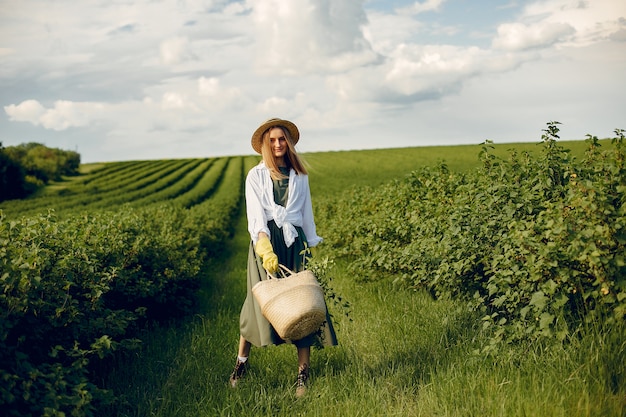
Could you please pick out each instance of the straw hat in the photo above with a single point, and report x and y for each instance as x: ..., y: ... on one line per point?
x: 257, y: 136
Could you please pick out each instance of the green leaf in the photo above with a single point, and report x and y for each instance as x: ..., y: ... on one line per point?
x: 538, y: 300
x: 545, y: 320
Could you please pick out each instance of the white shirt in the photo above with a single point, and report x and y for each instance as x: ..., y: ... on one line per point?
x: 261, y: 208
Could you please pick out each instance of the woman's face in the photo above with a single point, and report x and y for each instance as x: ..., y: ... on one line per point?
x: 278, y: 143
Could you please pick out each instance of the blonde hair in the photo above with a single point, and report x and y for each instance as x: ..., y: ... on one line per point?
x: 292, y: 159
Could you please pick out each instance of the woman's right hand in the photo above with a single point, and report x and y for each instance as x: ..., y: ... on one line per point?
x: 265, y: 250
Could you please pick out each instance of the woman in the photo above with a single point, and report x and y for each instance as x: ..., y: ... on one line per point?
x: 281, y: 226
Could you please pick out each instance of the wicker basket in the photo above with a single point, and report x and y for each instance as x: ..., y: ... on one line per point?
x: 294, y: 304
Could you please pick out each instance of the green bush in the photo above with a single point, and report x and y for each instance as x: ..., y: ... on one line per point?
x: 74, y: 289
x: 534, y: 242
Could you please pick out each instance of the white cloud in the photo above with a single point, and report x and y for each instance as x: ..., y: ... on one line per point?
x: 178, y: 104
x: 386, y: 31
x: 216, y: 96
x: 275, y: 105
x: 174, y: 51
x: 208, y: 86
x: 618, y: 36
x: 63, y: 115
x: 592, y: 21
x: 66, y: 114
x: 421, y: 7
x: 414, y: 73
x: 307, y: 36
x: 173, y: 100
x: 518, y: 36
x: 422, y: 72
x: 27, y: 111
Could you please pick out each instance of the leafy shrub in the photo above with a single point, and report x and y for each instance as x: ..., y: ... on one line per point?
x: 73, y: 290
x: 535, y: 243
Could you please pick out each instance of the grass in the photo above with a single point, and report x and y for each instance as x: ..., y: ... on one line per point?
x: 402, y: 354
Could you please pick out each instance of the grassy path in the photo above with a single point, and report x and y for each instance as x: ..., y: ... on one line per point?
x: 378, y: 368
x: 401, y: 355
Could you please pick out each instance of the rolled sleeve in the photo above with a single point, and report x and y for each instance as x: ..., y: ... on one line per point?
x: 257, y: 221
x: 308, y: 223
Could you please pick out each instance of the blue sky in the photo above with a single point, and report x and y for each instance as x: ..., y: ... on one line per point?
x: 460, y: 22
x: 148, y: 79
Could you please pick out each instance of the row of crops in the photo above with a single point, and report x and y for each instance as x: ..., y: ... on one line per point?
x: 85, y: 267
x: 535, y: 244
x: 182, y: 182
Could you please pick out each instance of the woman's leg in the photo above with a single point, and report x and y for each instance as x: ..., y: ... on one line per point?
x: 304, y: 357
x: 244, y: 347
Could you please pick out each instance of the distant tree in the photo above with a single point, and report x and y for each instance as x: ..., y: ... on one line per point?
x: 43, y: 163
x: 71, y: 163
x: 12, y: 177
x: 26, y: 167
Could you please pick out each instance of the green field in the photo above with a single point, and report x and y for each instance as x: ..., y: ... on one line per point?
x: 102, y: 185
x: 402, y: 352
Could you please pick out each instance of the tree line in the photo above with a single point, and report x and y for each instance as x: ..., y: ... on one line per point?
x: 27, y: 167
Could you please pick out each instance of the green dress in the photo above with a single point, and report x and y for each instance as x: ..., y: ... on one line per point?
x: 252, y: 325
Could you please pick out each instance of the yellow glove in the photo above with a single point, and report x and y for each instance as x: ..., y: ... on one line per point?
x: 264, y: 249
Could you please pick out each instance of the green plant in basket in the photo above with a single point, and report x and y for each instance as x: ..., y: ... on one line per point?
x: 322, y: 269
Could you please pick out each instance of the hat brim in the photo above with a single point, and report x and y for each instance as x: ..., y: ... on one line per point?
x: 257, y: 136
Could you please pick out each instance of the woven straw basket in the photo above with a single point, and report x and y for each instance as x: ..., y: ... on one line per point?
x: 294, y: 304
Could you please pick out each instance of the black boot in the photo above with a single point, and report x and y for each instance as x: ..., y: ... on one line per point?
x: 301, y: 382
x: 238, y: 372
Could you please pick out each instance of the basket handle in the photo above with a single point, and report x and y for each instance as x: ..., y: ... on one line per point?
x: 282, y: 269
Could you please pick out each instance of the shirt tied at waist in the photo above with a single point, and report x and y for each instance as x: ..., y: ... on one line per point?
x: 287, y: 221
